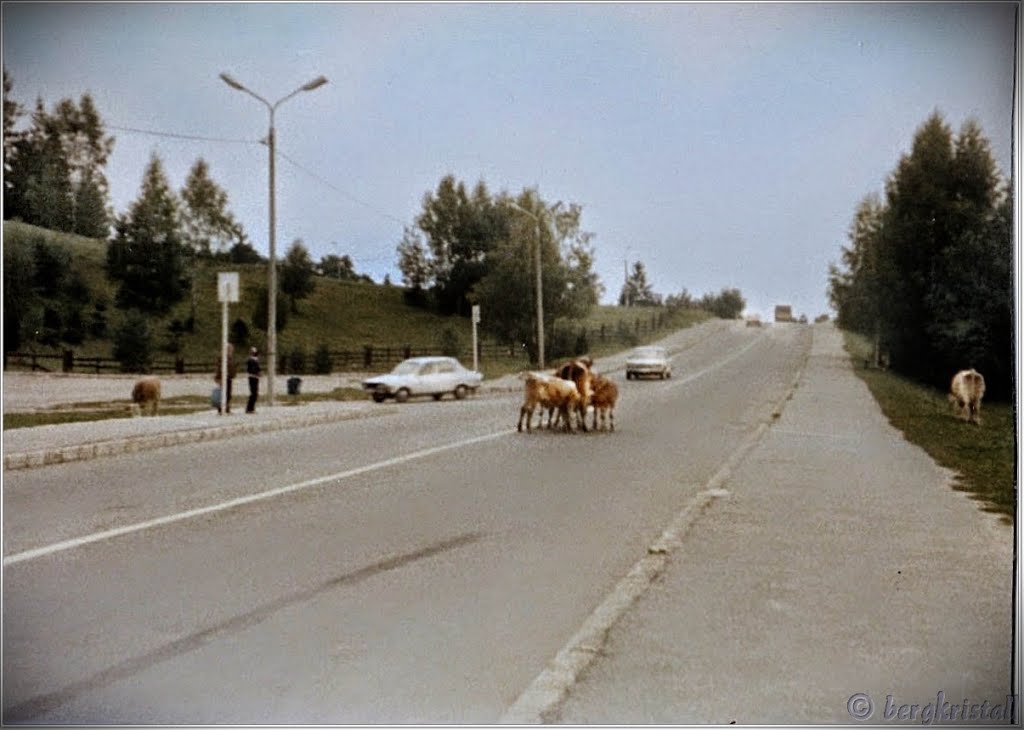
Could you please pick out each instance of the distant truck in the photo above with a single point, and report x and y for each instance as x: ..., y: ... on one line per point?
x: 783, y: 313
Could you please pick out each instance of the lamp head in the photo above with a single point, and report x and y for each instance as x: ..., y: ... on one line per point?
x: 315, y: 83
x: 231, y: 82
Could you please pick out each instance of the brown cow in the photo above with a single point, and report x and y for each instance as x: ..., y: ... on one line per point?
x: 146, y: 396
x: 966, y: 392
x: 605, y: 395
x: 548, y: 392
x: 578, y: 371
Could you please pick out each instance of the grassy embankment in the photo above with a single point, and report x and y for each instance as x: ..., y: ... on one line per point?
x: 341, y: 315
x: 983, y: 456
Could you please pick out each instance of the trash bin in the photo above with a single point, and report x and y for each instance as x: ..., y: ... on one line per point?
x: 293, y: 385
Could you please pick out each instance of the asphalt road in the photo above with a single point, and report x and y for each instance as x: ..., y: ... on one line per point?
x: 420, y: 567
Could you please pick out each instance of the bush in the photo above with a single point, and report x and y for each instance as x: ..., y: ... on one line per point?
x: 450, y: 342
x: 297, y: 360
x: 240, y: 333
x: 133, y: 343
x: 322, y: 364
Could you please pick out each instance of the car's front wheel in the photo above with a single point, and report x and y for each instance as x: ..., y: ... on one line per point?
x: 460, y: 392
x: 402, y: 395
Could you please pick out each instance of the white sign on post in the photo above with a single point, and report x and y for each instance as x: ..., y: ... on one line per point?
x: 227, y: 292
x: 227, y: 287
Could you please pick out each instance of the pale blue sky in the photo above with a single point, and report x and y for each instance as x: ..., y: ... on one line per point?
x: 722, y: 144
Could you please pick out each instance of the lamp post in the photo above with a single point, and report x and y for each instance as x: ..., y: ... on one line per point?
x: 539, y: 284
x: 272, y: 269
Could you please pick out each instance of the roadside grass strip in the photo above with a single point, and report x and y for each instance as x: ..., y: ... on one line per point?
x: 982, y: 456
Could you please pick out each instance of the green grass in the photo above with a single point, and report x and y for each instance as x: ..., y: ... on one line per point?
x: 181, y: 405
x: 340, y: 315
x: 982, y: 456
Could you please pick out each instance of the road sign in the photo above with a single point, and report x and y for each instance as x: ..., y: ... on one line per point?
x: 227, y: 286
x: 476, y: 314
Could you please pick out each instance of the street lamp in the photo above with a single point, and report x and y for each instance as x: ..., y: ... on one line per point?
x: 272, y: 270
x: 539, y: 284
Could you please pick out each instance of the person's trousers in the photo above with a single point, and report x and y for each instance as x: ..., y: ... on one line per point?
x: 254, y: 391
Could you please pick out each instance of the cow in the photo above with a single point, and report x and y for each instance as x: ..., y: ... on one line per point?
x: 578, y: 371
x: 966, y: 392
x: 548, y: 392
x: 603, y: 400
x: 146, y: 396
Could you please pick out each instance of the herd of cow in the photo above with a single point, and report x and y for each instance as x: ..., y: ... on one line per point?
x: 574, y: 389
x: 570, y: 392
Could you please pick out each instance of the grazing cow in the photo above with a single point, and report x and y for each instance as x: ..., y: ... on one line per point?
x: 605, y: 395
x: 966, y: 392
x: 146, y: 396
x: 578, y: 371
x: 548, y: 392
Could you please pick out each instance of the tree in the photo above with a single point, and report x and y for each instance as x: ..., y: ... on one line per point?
x: 460, y: 231
x: 54, y: 170
x: 337, y: 267
x: 929, y: 271
x: 243, y: 253
x: 297, y: 274
x: 636, y: 292
x: 507, y: 291
x: 146, y: 256
x: 133, y: 343
x: 19, y: 299
x: 12, y: 111
x: 727, y: 304
x: 208, y: 227
x: 415, y: 267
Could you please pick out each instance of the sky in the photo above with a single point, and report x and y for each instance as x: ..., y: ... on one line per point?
x: 720, y: 144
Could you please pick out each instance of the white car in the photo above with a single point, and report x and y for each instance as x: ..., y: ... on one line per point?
x: 433, y: 375
x: 649, y: 360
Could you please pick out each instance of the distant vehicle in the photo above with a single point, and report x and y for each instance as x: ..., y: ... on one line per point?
x: 754, y: 320
x: 649, y: 360
x: 432, y: 375
x: 784, y: 313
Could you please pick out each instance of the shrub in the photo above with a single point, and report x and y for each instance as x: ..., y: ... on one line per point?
x: 450, y: 342
x: 322, y: 364
x: 297, y: 360
x: 133, y: 343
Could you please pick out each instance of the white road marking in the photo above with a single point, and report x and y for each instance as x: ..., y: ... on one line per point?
x: 239, y: 501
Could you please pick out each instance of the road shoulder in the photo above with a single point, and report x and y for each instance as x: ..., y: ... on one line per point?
x: 841, y: 561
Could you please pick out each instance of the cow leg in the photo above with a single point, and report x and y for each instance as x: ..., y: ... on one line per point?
x: 611, y: 419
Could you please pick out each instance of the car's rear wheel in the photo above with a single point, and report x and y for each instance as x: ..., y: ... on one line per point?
x: 402, y: 396
x: 378, y: 397
x: 460, y: 392
x: 438, y: 396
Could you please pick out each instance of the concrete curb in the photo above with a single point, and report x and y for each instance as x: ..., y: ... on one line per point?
x: 113, y: 447
x: 539, y: 703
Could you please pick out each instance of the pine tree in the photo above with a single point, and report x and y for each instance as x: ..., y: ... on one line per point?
x: 147, y: 255
x: 297, y: 274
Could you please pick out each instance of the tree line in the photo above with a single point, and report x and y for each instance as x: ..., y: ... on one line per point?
x: 474, y: 247
x: 928, y: 273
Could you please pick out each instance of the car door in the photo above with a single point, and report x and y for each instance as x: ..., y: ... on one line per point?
x: 447, y: 375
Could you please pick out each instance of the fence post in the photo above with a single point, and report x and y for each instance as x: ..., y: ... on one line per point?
x: 407, y: 352
x: 367, y: 356
x: 69, y: 361
x: 179, y: 365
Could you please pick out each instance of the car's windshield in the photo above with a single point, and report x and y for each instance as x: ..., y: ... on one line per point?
x: 406, y: 368
x: 649, y: 352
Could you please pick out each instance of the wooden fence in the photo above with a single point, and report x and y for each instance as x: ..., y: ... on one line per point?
x: 561, y: 339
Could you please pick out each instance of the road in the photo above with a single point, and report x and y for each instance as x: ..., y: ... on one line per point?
x: 420, y: 567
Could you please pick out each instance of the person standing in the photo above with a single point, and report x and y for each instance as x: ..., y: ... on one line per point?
x: 232, y: 372
x: 252, y: 367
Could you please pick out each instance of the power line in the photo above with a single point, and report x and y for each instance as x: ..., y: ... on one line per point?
x: 174, y: 135
x: 340, y: 191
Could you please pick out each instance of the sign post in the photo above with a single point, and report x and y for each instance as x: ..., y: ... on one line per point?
x: 227, y: 293
x: 476, y: 321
